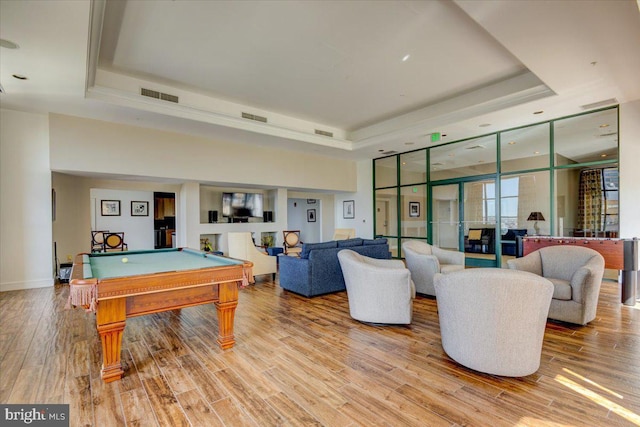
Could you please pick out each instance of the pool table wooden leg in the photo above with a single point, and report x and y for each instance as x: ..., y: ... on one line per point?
x: 226, y: 307
x: 111, y: 319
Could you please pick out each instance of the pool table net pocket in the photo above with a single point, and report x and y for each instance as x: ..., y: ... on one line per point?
x: 83, y: 295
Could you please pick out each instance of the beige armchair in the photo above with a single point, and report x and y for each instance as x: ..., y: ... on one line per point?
x: 425, y: 261
x: 241, y: 247
x: 344, y: 233
x: 492, y: 320
x: 379, y: 290
x: 576, y: 273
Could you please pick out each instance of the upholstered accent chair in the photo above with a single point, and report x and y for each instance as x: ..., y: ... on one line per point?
x: 241, y: 247
x: 114, y: 242
x: 97, y: 240
x: 425, y: 260
x: 379, y: 290
x: 492, y: 320
x: 292, y: 243
x: 344, y: 233
x: 576, y: 273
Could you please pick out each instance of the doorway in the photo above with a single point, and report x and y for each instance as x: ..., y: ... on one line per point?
x: 164, y: 220
x: 382, y: 217
x: 464, y: 218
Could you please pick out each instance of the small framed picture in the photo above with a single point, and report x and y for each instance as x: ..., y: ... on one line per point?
x: 110, y: 207
x: 414, y: 209
x: 311, y: 215
x: 139, y: 208
x: 311, y: 201
x: 348, y: 209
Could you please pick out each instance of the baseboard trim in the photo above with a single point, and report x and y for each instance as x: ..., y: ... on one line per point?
x: 31, y: 284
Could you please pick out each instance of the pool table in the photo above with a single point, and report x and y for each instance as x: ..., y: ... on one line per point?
x: 118, y: 285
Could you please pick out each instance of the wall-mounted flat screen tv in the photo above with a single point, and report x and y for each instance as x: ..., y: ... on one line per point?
x: 242, y: 205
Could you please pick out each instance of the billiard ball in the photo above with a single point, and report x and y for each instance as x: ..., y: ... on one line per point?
x: 125, y: 260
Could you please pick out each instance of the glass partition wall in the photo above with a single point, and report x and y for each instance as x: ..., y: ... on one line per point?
x: 477, y: 195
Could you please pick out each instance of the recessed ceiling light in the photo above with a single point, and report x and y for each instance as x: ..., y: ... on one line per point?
x: 604, y: 126
x: 404, y: 58
x: 20, y: 77
x: 603, y: 155
x: 404, y: 163
x: 8, y: 44
x: 512, y: 143
x: 484, y: 125
x: 480, y: 161
x: 536, y: 152
x: 538, y: 112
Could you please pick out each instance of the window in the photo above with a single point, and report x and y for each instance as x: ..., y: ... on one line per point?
x: 509, y: 203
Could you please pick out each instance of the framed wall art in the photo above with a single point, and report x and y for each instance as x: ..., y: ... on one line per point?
x: 348, y: 209
x: 414, y: 209
x: 311, y: 215
x: 110, y: 207
x: 139, y: 208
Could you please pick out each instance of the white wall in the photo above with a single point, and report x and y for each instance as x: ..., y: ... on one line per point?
x: 297, y: 209
x: 629, y: 169
x: 72, y: 228
x: 93, y: 146
x: 26, y: 245
x: 138, y: 230
x: 363, y: 200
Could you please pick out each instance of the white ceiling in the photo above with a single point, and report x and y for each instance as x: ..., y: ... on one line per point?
x: 333, y: 66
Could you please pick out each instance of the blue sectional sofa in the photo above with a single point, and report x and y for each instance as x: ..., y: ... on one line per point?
x: 318, y: 272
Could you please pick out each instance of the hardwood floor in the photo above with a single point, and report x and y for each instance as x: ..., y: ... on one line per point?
x: 302, y: 361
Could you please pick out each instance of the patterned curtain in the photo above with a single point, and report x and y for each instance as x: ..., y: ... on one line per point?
x: 473, y: 211
x: 591, y: 200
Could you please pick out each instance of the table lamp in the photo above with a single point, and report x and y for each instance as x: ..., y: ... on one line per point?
x: 536, y: 216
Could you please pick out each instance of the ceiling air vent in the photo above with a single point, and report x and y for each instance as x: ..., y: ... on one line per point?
x: 158, y: 95
x: 324, y: 133
x: 170, y: 98
x: 254, y: 117
x: 475, y: 147
x: 390, y: 152
x: 599, y: 104
x: 150, y: 93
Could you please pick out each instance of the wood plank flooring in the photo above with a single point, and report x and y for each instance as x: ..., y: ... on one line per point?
x: 305, y: 362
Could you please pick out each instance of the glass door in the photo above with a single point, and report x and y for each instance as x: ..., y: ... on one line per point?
x: 464, y: 218
x: 445, y: 224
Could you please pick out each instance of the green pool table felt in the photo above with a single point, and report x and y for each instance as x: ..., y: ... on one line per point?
x: 104, y: 266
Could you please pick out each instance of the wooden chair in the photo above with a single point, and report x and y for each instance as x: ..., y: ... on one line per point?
x: 114, y: 242
x: 292, y: 243
x: 97, y: 240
